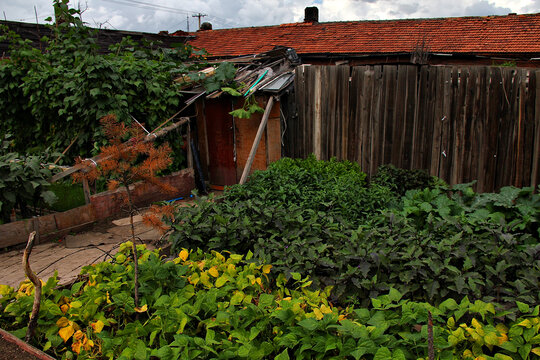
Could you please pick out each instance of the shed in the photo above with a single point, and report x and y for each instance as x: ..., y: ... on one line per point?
x: 224, y: 142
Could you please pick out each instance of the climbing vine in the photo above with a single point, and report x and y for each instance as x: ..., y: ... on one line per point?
x: 49, y: 98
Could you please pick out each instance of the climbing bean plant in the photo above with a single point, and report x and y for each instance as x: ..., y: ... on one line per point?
x: 49, y: 98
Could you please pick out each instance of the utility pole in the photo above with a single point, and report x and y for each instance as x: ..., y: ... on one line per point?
x: 187, y: 21
x: 199, y: 15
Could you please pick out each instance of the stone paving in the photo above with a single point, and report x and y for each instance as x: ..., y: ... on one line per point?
x: 73, y: 252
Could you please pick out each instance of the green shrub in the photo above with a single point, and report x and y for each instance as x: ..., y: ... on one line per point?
x: 23, y: 181
x: 297, y: 214
x: 52, y: 97
x: 211, y: 306
x: 431, y: 245
x: 401, y: 180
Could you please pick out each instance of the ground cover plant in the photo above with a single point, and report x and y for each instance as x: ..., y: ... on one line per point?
x: 324, y: 220
x: 226, y: 306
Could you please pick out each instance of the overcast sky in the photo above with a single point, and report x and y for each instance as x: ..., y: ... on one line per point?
x: 172, y: 15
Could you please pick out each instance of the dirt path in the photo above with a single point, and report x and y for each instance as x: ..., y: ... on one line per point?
x: 73, y: 252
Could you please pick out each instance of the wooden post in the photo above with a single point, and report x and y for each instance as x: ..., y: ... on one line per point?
x: 317, y: 116
x: 255, y: 145
x: 189, y: 153
x: 35, y: 226
x: 86, y: 191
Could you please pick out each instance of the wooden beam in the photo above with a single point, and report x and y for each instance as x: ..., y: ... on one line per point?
x: 255, y: 145
x: 189, y: 153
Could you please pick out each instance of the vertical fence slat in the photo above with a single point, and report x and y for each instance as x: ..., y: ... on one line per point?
x: 396, y: 114
x: 368, y: 85
x: 409, y: 119
x: 460, y: 123
x: 535, y: 171
x: 345, y: 74
x: 353, y: 131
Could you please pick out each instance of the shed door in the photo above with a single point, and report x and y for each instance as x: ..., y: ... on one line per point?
x: 220, y: 133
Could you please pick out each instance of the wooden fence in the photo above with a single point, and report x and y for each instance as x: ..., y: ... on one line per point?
x: 459, y: 123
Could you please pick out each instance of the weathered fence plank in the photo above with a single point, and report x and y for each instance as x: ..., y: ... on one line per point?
x: 460, y: 123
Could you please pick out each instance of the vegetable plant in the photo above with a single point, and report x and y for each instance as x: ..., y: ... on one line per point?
x: 226, y: 306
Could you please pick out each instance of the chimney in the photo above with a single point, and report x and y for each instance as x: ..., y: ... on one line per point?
x: 311, y: 14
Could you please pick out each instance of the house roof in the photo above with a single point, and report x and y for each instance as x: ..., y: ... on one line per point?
x: 105, y: 37
x: 488, y: 35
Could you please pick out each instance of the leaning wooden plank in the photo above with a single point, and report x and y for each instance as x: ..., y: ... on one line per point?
x: 255, y: 145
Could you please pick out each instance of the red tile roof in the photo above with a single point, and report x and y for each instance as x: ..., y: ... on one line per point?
x: 489, y: 35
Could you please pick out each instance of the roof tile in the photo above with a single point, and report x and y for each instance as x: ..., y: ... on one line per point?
x: 490, y: 35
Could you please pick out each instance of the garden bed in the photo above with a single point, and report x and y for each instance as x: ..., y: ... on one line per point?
x: 103, y: 205
x: 15, y: 349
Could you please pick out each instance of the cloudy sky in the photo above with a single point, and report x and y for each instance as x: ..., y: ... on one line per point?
x: 172, y: 15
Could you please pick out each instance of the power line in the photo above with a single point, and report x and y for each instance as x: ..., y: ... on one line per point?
x: 158, y: 6
x: 148, y: 6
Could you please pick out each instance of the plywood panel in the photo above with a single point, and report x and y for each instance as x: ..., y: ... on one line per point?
x: 245, y: 132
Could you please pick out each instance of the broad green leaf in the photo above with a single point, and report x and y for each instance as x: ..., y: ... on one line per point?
x: 524, y: 308
x: 398, y: 355
x: 309, y: 324
x: 284, y: 355
x: 383, y: 354
x: 221, y: 281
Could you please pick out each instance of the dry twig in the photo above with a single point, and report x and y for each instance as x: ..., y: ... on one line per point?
x: 37, y: 286
x: 431, y: 347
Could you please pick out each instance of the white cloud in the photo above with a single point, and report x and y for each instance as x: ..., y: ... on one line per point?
x: 228, y: 13
x: 484, y: 7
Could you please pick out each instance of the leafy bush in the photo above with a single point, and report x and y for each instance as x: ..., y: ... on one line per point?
x: 297, y: 215
x: 23, y: 181
x: 321, y: 220
x: 52, y: 97
x: 402, y: 180
x: 211, y: 306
